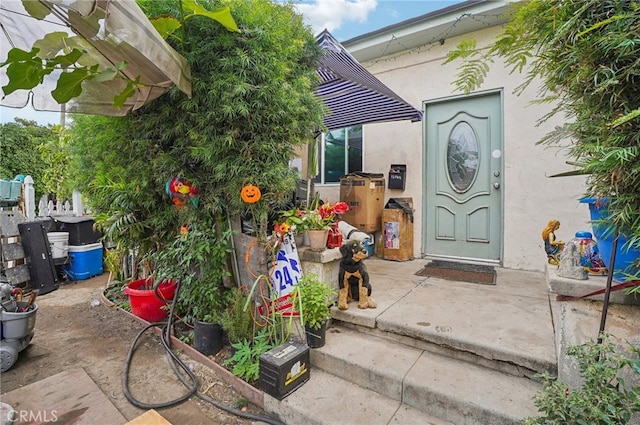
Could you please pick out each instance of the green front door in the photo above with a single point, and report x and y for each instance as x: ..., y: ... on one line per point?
x: 462, y: 209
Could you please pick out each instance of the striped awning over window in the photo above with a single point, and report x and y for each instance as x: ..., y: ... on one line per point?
x: 352, y: 94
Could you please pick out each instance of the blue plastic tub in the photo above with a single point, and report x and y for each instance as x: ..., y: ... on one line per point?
x: 604, y: 237
x: 85, y: 261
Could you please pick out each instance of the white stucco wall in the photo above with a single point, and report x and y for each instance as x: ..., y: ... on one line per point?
x: 530, y: 198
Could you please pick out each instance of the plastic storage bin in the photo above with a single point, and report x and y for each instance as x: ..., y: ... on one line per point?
x: 80, y: 229
x: 85, y: 261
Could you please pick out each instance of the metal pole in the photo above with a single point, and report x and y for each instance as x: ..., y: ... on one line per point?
x: 605, y: 307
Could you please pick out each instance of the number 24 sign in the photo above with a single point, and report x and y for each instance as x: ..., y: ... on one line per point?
x: 287, y: 270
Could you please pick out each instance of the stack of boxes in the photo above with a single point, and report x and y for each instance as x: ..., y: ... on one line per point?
x: 85, y: 248
x: 364, y: 194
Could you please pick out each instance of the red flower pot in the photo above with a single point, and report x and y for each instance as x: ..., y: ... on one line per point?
x: 144, y: 302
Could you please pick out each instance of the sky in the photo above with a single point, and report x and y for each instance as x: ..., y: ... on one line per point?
x: 344, y: 19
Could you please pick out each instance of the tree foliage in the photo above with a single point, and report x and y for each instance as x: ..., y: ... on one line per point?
x: 31, y: 149
x: 585, y: 53
x: 252, y: 105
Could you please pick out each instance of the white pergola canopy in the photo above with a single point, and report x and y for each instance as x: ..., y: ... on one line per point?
x: 109, y: 31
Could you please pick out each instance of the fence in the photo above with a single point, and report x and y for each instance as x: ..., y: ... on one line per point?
x: 46, y: 207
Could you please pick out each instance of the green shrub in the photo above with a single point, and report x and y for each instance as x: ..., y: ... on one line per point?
x: 604, y: 397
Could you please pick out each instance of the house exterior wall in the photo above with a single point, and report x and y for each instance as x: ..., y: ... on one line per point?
x: 530, y: 198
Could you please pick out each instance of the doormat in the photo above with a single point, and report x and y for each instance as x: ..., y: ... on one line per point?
x: 461, y: 272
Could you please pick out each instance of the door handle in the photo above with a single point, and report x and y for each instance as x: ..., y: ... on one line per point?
x: 496, y: 185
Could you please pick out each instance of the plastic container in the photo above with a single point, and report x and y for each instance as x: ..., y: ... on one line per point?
x: 604, y: 236
x: 5, y: 189
x: 18, y: 325
x: 81, y: 231
x: 590, y: 257
x: 85, y: 261
x: 16, y: 189
x: 144, y: 302
x: 207, y: 337
x: 59, y: 242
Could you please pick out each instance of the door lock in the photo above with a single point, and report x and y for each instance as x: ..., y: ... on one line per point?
x: 496, y: 185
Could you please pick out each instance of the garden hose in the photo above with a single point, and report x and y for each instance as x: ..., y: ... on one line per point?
x: 191, y: 383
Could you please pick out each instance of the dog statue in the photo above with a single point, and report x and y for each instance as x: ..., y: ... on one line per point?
x: 353, y: 277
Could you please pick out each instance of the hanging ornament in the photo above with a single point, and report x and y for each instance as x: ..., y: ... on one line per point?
x: 250, y: 194
x: 182, y: 192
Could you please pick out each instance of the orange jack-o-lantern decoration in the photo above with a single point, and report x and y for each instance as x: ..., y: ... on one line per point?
x: 250, y: 194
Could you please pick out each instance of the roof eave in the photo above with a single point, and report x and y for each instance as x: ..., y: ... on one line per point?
x: 429, y: 28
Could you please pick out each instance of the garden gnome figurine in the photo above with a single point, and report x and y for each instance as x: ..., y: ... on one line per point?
x: 552, y: 246
x: 570, y: 266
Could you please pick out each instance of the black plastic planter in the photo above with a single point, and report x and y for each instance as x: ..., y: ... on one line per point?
x: 316, y: 337
x: 207, y: 337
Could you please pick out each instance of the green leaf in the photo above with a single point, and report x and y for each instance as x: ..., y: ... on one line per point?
x: 106, y: 75
x: 36, y: 9
x: 222, y: 15
x: 53, y: 43
x: 121, y: 98
x: 165, y: 25
x: 26, y: 73
x: 66, y: 60
x: 70, y: 85
x: 19, y: 55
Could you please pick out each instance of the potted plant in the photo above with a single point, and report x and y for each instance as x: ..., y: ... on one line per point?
x: 149, y: 301
x: 292, y: 220
x: 317, y: 221
x: 196, y: 260
x: 312, y: 299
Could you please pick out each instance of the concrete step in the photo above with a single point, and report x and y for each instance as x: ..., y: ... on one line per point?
x: 329, y: 400
x: 507, y: 327
x: 459, y: 391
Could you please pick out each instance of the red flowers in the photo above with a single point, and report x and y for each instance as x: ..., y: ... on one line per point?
x: 329, y: 211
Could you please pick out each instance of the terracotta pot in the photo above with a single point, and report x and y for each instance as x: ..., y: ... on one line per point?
x: 317, y: 239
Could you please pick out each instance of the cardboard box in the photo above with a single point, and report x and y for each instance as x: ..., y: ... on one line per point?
x: 364, y: 194
x: 397, y: 231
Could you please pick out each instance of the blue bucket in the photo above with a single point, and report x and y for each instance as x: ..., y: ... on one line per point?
x: 604, y: 236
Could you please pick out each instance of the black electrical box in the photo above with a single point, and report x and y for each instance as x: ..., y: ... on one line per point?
x: 397, y: 176
x: 284, y: 368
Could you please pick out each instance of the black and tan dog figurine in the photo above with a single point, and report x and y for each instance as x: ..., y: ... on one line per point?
x: 353, y: 277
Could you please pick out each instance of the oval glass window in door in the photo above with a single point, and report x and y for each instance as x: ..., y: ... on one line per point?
x: 462, y: 157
